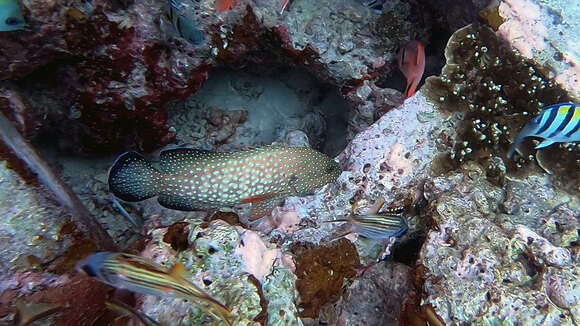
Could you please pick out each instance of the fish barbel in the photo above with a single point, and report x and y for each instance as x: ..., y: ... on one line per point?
x: 134, y: 273
x: 189, y: 179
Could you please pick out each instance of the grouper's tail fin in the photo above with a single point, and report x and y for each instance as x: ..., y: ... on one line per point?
x: 132, y: 178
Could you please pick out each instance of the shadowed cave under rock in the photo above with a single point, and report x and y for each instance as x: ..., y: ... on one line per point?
x: 238, y: 109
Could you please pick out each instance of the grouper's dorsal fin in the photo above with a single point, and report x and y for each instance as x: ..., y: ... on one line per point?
x: 178, y: 160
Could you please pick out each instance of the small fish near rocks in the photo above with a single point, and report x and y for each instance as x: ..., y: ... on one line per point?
x: 190, y: 179
x: 411, y: 59
x: 558, y: 123
x: 184, y: 23
x: 137, y: 274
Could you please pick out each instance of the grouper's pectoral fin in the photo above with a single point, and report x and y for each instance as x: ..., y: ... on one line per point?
x: 261, y: 205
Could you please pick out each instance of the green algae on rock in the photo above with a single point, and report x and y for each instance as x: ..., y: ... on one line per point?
x: 494, y: 92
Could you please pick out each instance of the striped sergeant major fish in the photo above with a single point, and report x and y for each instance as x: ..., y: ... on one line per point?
x: 183, y: 22
x: 189, y: 179
x: 137, y: 274
x: 558, y: 123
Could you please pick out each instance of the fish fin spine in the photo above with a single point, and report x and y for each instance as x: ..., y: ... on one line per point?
x: 256, y: 198
x: 420, y: 50
x: 545, y: 143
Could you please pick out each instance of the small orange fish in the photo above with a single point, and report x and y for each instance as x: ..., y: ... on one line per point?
x: 223, y: 5
x: 412, y: 64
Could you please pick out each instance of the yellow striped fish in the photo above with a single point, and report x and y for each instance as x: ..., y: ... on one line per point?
x: 558, y: 123
x: 189, y: 179
x: 125, y: 271
x: 377, y: 227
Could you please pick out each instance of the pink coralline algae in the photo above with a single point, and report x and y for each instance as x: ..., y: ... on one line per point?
x: 545, y: 32
x: 523, y: 27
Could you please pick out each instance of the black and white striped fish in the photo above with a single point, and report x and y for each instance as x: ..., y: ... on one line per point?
x: 558, y: 123
x: 377, y: 227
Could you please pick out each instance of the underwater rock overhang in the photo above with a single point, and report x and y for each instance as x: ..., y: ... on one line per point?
x: 110, y: 83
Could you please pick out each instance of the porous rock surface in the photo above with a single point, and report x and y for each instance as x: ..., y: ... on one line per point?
x: 234, y: 266
x: 501, y: 255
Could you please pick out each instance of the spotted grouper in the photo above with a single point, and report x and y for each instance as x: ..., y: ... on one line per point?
x: 189, y: 179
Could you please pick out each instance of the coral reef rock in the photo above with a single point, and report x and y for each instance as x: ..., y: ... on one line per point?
x: 223, y: 260
x: 105, y: 68
x: 389, y: 161
x: 546, y: 31
x: 493, y: 92
x: 375, y: 297
x: 321, y: 272
x: 501, y: 256
x: 34, y: 234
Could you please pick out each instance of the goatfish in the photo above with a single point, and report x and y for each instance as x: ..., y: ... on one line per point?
x: 11, y: 18
x: 133, y: 273
x: 558, y: 123
x: 376, y: 227
x: 190, y: 179
x: 412, y: 65
x: 183, y: 22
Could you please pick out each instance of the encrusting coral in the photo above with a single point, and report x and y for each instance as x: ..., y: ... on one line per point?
x: 495, y: 92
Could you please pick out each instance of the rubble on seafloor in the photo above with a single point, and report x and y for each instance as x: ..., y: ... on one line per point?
x: 491, y: 241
